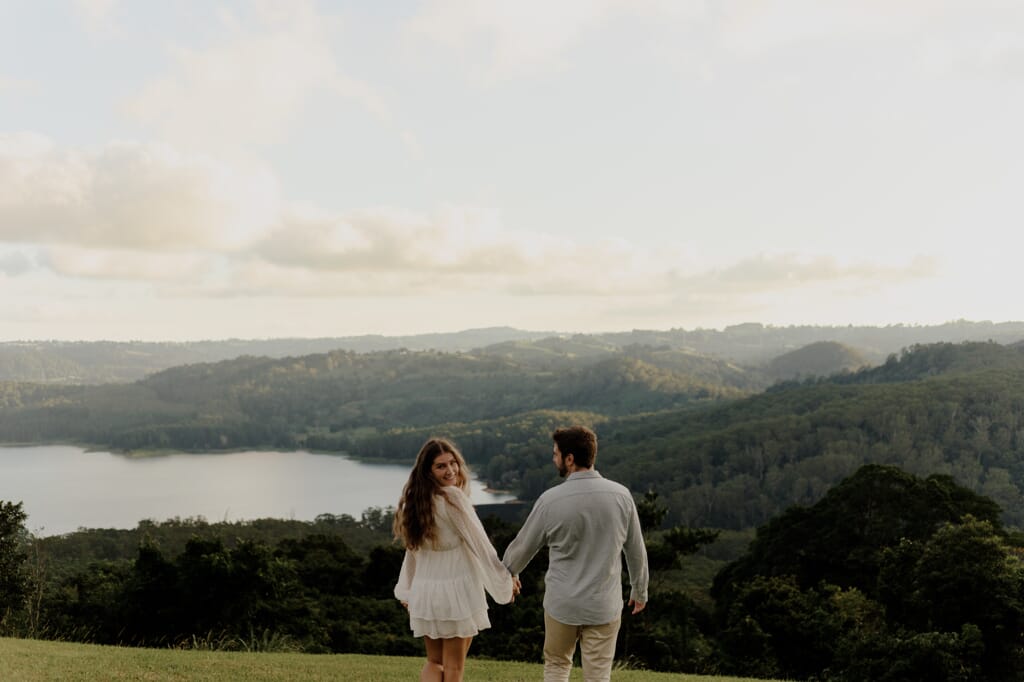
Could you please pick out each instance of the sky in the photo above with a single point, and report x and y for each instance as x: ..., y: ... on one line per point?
x: 204, y: 170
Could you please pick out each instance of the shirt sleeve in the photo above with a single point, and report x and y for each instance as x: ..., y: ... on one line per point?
x: 403, y: 588
x: 531, y: 537
x: 496, y: 578
x: 636, y: 557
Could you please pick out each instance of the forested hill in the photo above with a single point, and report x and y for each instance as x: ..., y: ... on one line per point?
x: 943, y: 408
x: 752, y: 344
x: 705, y: 434
x: 956, y: 409
x: 822, y: 358
x: 336, y: 400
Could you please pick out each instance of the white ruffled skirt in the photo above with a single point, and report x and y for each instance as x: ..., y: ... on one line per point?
x: 447, y: 597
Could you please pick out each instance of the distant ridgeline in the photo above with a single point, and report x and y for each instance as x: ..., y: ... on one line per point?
x: 724, y: 444
x: 95, y: 362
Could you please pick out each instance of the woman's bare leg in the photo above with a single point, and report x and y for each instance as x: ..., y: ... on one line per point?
x: 433, y: 669
x: 454, y: 656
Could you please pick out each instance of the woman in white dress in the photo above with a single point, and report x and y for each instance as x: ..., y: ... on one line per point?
x: 449, y: 561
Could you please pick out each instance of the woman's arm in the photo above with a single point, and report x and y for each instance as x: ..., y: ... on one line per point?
x: 403, y: 588
x: 497, y: 580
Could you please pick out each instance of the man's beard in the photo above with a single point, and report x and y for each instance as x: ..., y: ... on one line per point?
x: 563, y: 470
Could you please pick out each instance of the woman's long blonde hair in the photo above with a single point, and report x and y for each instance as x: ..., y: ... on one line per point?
x: 414, y: 518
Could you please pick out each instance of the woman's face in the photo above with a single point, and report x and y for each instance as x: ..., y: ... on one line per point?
x: 445, y: 469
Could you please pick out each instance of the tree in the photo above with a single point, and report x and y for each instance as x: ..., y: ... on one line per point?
x: 14, y: 580
x: 839, y: 539
x: 889, y: 577
x: 669, y: 636
x: 774, y: 628
x: 962, y: 579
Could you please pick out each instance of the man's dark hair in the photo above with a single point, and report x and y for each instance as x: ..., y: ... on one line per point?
x: 578, y: 441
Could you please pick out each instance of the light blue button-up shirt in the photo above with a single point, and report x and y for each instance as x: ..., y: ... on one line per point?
x: 587, y: 522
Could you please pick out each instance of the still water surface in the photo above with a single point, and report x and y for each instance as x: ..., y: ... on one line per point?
x: 64, y: 487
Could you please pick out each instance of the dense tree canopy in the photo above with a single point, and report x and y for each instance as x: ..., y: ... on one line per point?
x: 888, y: 577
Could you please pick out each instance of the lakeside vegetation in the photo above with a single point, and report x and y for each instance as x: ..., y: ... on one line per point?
x: 888, y: 578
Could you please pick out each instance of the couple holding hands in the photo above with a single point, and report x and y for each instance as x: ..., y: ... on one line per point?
x: 587, y: 522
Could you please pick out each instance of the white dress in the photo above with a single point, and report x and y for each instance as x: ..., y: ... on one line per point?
x: 444, y: 584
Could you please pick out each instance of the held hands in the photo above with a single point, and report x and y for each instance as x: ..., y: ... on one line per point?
x: 516, y: 588
x: 638, y: 606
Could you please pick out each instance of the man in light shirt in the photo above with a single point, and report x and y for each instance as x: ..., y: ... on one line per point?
x: 587, y: 522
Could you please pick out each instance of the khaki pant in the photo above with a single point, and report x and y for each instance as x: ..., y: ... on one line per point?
x: 597, y: 649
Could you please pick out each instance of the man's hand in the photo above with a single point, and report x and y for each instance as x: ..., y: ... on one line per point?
x: 517, y: 586
x: 638, y: 606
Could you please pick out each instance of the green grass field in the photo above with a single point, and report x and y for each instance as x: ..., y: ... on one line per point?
x: 24, y: 660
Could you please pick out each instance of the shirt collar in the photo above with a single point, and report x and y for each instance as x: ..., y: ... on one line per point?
x: 590, y: 473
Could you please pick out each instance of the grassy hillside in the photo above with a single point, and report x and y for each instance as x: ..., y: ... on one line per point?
x: 31, y: 660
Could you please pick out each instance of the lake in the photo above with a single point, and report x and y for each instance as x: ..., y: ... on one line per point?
x: 65, y: 487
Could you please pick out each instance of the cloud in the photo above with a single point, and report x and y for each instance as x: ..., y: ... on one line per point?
x: 504, y: 40
x: 126, y: 264
x: 522, y: 36
x: 788, y: 270
x: 129, y: 195
x: 192, y: 226
x: 998, y: 53
x: 755, y: 27
x: 97, y: 15
x: 17, y: 86
x: 14, y: 263
x: 150, y: 213
x: 788, y: 288
x: 529, y: 36
x: 248, y: 89
x: 454, y: 249
x: 943, y: 36
x: 453, y: 240
x: 390, y: 252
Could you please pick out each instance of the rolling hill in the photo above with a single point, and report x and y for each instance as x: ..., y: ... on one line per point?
x: 817, y: 359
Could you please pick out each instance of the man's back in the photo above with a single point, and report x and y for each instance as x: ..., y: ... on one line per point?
x: 587, y: 522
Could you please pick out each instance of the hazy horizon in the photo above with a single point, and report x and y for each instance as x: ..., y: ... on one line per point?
x: 554, y: 332
x: 255, y: 170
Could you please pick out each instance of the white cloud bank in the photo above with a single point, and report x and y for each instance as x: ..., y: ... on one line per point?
x: 129, y: 195
x: 189, y: 226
